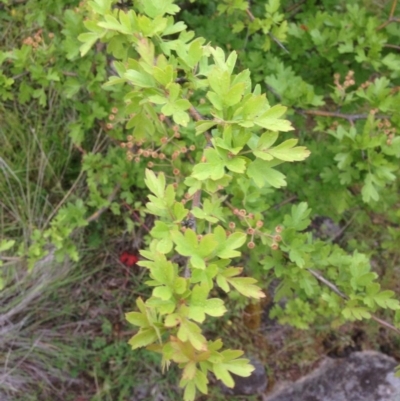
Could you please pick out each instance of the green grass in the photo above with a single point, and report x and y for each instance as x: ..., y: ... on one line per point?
x: 62, y: 328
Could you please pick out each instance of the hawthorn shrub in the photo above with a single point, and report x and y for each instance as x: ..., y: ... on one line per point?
x: 195, y: 117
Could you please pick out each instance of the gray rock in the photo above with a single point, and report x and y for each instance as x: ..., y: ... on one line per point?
x: 363, y: 376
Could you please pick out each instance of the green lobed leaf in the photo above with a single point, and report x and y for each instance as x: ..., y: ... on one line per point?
x: 227, y: 248
x: 140, y: 79
x: 287, y: 151
x: 199, y: 305
x: 172, y: 320
x: 234, y: 94
x: 299, y: 217
x: 189, y: 331
x: 221, y: 373
x: 212, y: 168
x: 156, y: 184
x: 273, y: 124
x: 156, y: 8
x: 245, y: 285
x: 190, y: 392
x: 201, y: 381
x: 113, y: 24
x: 137, y: 319
x: 385, y: 300
x: 143, y: 337
x: 266, y: 140
x: 263, y: 174
x: 203, y: 126
x: 165, y: 293
x: 189, y: 371
x: 5, y: 245
x: 89, y: 39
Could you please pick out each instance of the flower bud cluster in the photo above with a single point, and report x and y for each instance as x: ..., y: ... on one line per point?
x: 365, y: 85
x: 276, y: 238
x: 241, y: 213
x: 386, y: 127
x: 111, y: 117
x: 348, y: 80
x: 36, y: 40
x: 136, y: 153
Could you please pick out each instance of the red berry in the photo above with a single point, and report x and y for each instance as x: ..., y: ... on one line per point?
x: 128, y: 259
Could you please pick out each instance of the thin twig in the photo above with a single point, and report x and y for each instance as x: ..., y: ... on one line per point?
x: 198, y: 117
x: 391, y: 46
x: 97, y: 214
x: 391, y: 18
x: 294, y: 9
x: 250, y: 14
x: 11, y: 258
x: 280, y: 44
x: 327, y: 283
x: 22, y: 74
x: 196, y: 201
x: 384, y: 323
x: 66, y: 73
x: 69, y: 74
x: 393, y: 9
x: 348, y: 117
x: 342, y: 230
x: 271, y: 89
x: 66, y: 196
x: 286, y: 201
x: 195, y: 114
x: 333, y: 287
x: 137, y: 218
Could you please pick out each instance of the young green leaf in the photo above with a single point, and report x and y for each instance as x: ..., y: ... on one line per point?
x: 154, y: 183
x: 227, y: 246
x: 199, y: 305
x: 143, y: 337
x: 287, y: 151
x: 245, y: 285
